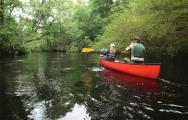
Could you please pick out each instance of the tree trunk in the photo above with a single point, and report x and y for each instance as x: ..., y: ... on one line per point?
x: 1, y: 12
x: 43, y: 2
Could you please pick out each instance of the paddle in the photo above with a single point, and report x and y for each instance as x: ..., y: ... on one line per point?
x: 87, y: 50
x: 90, y: 50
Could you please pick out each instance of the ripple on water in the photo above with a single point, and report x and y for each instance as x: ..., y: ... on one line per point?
x: 172, y: 111
x: 20, y: 60
x: 39, y: 111
x: 78, y: 112
x: 67, y: 69
x: 97, y: 69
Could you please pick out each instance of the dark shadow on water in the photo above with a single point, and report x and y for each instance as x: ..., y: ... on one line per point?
x: 60, y: 86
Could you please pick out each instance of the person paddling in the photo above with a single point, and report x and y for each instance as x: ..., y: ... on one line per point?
x: 137, y: 51
x: 110, y: 54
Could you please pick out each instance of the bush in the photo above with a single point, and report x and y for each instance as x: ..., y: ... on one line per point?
x: 160, y: 24
x: 21, y: 50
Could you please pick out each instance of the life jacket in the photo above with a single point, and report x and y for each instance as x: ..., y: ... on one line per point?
x: 112, y: 52
x: 138, y: 50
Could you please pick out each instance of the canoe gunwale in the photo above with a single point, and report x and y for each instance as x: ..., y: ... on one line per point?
x: 137, y: 63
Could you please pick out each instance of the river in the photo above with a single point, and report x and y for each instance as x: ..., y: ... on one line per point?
x: 58, y: 86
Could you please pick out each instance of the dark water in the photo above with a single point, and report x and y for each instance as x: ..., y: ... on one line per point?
x: 60, y: 86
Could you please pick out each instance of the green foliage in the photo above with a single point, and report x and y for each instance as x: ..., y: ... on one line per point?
x: 159, y: 23
x: 22, y: 50
x: 63, y: 25
x: 73, y: 47
x: 102, y: 7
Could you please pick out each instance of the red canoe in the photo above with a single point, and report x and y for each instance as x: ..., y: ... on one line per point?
x: 151, y: 71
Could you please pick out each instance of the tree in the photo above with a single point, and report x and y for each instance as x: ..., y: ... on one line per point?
x: 161, y: 24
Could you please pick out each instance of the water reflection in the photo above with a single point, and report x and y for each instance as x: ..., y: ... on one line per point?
x: 119, y: 96
x: 70, y: 86
x: 87, y: 80
x: 132, y: 81
x: 38, y: 112
x: 78, y: 112
x: 53, y: 87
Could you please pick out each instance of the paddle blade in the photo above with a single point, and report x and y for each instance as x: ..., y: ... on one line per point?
x: 87, y: 50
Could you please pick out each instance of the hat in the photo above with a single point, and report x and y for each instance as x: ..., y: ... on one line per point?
x: 136, y: 38
x: 112, y: 45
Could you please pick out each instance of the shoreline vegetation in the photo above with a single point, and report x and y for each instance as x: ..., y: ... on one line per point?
x: 66, y: 26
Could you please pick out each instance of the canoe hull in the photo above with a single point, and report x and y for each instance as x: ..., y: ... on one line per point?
x: 151, y: 71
